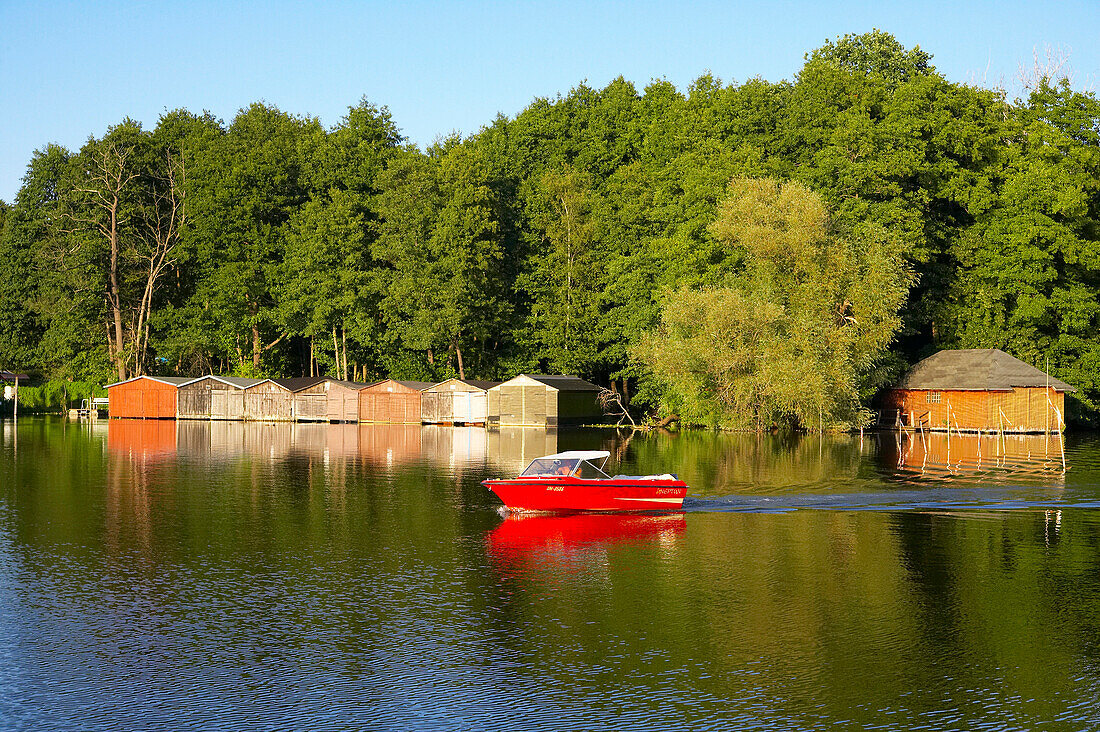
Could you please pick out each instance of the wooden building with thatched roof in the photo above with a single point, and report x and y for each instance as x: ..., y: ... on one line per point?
x: 542, y: 401
x: 457, y: 401
x: 976, y: 390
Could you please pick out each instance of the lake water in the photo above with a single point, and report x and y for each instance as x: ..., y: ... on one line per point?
x: 164, y: 576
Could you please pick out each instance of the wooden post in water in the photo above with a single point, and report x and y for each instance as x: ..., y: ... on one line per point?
x: 948, y: 435
x: 1046, y: 392
x: 15, y: 405
x: 1061, y: 424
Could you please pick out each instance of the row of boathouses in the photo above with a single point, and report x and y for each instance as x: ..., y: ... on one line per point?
x: 972, y: 390
x: 527, y: 400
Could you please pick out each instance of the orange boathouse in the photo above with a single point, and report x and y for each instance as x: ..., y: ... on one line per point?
x: 976, y: 390
x: 145, y: 397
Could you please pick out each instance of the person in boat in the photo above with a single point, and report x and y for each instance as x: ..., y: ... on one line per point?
x: 563, y: 468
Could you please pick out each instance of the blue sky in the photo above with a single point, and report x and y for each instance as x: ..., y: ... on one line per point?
x: 69, y: 70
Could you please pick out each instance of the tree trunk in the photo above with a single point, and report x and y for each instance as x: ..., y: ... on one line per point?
x: 161, y: 224
x: 461, y: 369
x: 107, y: 179
x: 256, y: 347
x: 312, y: 360
x: 344, y: 338
x: 114, y: 296
x: 336, y: 351
x: 667, y: 421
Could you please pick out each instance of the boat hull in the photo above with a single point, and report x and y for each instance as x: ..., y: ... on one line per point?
x: 565, y: 494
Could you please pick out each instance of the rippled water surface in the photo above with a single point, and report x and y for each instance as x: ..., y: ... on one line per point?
x: 156, y: 575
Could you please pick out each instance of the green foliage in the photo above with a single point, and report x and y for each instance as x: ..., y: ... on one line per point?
x: 562, y: 274
x: 875, y: 54
x: 796, y: 331
x: 1028, y: 270
x: 57, y: 395
x: 559, y: 238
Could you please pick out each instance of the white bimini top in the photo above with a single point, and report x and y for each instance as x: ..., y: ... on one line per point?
x: 578, y: 455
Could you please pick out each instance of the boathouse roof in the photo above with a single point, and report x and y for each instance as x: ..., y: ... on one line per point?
x: 297, y: 383
x: 564, y: 383
x: 977, y: 369
x: 475, y: 383
x: 418, y: 385
x: 173, y: 380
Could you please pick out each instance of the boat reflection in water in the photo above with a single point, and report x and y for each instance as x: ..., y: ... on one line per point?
x: 535, y: 541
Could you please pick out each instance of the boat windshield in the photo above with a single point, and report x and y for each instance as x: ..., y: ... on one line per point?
x: 563, y: 466
x: 546, y: 466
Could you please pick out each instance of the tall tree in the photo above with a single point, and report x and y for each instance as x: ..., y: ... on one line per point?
x: 562, y: 273
x: 1027, y: 273
x: 793, y: 336
x: 444, y: 286
x: 251, y: 183
x: 121, y: 214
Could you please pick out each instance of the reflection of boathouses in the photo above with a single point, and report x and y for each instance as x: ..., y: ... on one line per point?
x: 942, y: 454
x: 373, y: 444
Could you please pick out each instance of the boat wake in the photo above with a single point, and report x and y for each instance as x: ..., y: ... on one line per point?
x: 942, y: 499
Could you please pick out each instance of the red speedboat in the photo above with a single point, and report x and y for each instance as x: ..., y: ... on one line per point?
x: 575, y: 481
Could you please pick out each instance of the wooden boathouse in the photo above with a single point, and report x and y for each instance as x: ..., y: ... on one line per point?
x: 145, y: 397
x: 392, y: 401
x: 976, y: 390
x: 457, y: 401
x: 543, y: 401
x: 268, y: 401
x: 324, y: 399
x: 214, y: 397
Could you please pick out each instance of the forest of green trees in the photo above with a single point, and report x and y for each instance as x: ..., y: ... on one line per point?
x: 740, y: 254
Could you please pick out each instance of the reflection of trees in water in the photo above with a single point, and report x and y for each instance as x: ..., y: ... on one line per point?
x: 805, y: 619
x: 874, y: 614
x: 711, y: 462
x: 1011, y: 591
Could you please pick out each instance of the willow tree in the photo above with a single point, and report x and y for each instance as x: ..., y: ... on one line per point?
x: 792, y: 337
